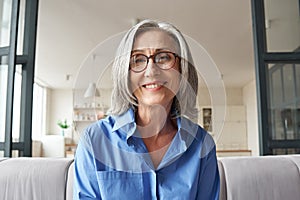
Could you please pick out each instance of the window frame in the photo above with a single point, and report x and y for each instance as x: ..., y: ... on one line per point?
x: 262, y: 59
x: 27, y: 60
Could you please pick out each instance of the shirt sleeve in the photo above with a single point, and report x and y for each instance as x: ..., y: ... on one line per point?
x: 209, y: 180
x: 85, y: 179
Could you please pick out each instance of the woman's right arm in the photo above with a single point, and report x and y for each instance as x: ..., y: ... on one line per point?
x: 85, y: 178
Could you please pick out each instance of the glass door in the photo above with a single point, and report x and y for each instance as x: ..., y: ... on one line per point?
x: 17, y: 52
x: 277, y: 50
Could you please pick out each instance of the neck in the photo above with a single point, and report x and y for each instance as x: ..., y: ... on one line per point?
x: 157, y: 130
x: 154, y: 120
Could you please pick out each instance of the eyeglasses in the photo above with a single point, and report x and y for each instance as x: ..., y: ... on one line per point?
x: 164, y: 60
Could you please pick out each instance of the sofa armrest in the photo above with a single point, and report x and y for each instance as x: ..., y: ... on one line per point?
x: 223, y: 194
x: 34, y: 178
x: 70, y: 180
x: 262, y: 178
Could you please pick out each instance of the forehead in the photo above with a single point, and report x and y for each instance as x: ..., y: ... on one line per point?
x: 155, y: 39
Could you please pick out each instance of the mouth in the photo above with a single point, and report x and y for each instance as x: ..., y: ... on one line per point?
x: 153, y: 85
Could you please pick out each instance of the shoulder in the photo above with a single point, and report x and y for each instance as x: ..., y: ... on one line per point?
x: 112, y: 128
x: 195, y: 130
x: 102, y: 126
x: 202, y: 140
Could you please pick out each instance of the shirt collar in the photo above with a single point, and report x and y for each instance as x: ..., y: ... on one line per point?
x: 188, y: 126
x: 125, y: 122
x: 187, y: 129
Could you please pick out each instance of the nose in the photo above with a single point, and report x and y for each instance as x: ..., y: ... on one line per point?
x: 151, y: 69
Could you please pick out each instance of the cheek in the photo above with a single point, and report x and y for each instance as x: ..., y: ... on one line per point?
x: 175, y: 77
x: 133, y: 81
x: 176, y: 85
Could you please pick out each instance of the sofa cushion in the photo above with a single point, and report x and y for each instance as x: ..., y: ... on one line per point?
x: 34, y: 178
x: 262, y: 178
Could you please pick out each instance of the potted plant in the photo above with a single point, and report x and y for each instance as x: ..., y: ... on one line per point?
x: 63, y: 125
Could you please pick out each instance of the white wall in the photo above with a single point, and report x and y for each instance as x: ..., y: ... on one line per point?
x: 48, y: 111
x: 250, y: 101
x: 233, y: 134
x: 234, y: 96
x: 105, y: 97
x: 59, y: 107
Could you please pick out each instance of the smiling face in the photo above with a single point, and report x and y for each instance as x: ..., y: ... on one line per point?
x: 155, y: 85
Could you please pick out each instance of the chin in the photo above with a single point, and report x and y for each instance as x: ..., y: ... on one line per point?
x: 153, y: 102
x: 149, y: 103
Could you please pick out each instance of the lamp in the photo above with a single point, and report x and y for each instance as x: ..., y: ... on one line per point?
x: 91, y: 91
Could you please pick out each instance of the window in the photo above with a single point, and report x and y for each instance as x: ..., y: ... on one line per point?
x: 17, y: 105
x: 39, y: 111
x: 277, y: 48
x: 18, y: 32
x: 284, y: 101
x: 3, y: 83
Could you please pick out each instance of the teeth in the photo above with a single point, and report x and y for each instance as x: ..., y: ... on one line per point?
x: 152, y: 86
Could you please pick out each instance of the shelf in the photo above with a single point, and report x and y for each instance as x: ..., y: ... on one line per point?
x: 70, y: 150
x: 234, y: 151
x: 71, y: 145
x: 84, y: 120
x: 87, y: 108
x: 86, y: 111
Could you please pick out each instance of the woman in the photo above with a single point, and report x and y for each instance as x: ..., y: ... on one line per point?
x: 148, y: 147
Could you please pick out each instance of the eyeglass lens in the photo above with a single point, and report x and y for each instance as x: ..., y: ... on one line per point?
x: 164, y: 60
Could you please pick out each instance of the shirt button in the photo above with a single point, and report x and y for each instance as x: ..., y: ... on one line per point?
x: 130, y: 143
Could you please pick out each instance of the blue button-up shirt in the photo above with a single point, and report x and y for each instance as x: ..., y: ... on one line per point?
x: 112, y: 162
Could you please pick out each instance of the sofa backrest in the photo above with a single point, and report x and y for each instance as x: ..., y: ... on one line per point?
x: 260, y: 178
x: 34, y: 178
x: 242, y: 178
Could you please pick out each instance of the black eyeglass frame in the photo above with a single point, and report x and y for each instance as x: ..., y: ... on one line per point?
x: 153, y: 58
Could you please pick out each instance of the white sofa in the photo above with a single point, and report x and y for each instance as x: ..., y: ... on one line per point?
x: 242, y: 178
x: 260, y: 178
x: 36, y: 178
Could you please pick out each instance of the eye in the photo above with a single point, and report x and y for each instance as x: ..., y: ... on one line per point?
x: 138, y: 59
x: 163, y: 57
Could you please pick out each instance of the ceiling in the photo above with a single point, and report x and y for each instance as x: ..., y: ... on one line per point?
x: 78, y: 37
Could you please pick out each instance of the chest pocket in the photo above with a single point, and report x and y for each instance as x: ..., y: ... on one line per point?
x: 120, y: 185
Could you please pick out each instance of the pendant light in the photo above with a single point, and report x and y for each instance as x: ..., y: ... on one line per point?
x: 92, y: 90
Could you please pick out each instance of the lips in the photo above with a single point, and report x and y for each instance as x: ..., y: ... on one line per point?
x: 152, y: 86
x: 155, y: 85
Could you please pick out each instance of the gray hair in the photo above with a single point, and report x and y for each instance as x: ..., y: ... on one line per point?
x: 122, y: 98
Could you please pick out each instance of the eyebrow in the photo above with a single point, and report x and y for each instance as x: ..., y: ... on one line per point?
x: 156, y: 50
